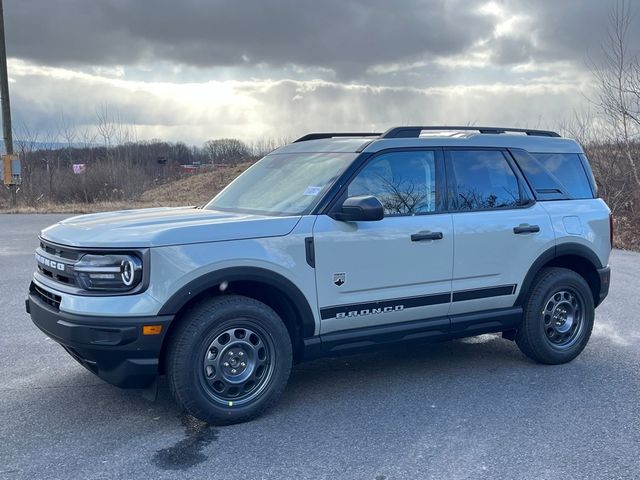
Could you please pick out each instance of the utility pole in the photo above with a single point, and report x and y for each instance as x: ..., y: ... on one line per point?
x: 6, y: 112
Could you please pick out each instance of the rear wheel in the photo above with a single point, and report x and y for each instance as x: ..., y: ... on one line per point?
x: 558, y: 317
x: 229, y: 359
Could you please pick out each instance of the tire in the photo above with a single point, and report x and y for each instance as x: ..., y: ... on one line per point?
x: 229, y: 359
x: 558, y: 317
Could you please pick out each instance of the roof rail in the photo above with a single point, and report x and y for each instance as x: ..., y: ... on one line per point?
x: 414, y: 132
x: 319, y: 136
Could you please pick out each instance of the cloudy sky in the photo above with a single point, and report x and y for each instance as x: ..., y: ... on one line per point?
x: 192, y: 70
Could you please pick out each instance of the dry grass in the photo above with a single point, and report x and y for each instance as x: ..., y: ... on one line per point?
x: 626, y: 233
x: 194, y: 189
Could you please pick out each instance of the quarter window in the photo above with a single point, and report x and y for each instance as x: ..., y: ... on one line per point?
x: 404, y: 182
x: 567, y: 168
x: 483, y: 180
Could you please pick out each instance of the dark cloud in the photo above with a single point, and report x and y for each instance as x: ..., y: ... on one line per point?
x: 511, y: 50
x: 347, y: 36
x: 344, y: 35
x: 572, y: 30
x: 276, y: 54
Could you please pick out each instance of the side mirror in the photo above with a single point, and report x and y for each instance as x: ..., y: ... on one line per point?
x: 365, y: 208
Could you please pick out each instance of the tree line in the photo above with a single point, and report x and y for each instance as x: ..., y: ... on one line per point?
x: 115, y: 172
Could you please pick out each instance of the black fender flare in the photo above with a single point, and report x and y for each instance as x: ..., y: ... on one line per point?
x: 251, y: 274
x: 556, y: 251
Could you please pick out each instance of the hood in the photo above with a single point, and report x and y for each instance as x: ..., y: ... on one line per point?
x: 154, y: 227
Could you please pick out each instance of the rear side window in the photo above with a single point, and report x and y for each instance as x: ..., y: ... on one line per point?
x: 483, y: 180
x: 564, y: 168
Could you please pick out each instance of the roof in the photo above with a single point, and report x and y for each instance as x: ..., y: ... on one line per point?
x: 536, y: 141
x: 326, y: 145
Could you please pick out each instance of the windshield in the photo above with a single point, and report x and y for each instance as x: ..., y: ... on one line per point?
x: 282, y: 184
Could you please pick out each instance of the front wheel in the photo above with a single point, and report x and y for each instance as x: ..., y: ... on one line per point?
x: 558, y: 317
x: 229, y: 359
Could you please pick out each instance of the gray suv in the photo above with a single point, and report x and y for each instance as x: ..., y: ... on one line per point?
x: 337, y: 243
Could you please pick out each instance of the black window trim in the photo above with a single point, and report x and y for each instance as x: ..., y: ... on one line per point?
x: 526, y: 194
x: 333, y: 198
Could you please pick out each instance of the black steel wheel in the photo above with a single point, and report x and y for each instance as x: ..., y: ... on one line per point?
x: 558, y: 317
x: 562, y: 317
x: 237, y: 364
x: 229, y: 359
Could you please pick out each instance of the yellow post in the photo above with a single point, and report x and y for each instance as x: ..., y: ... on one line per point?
x: 6, y: 169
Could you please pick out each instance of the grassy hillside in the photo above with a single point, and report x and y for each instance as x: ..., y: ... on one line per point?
x: 192, y: 189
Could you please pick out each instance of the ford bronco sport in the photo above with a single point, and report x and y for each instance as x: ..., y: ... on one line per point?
x: 336, y: 243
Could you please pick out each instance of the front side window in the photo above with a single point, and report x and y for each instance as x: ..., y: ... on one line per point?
x: 282, y: 184
x: 483, y: 180
x: 404, y: 182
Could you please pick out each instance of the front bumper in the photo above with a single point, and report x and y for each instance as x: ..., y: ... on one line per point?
x: 605, y: 279
x: 112, y: 348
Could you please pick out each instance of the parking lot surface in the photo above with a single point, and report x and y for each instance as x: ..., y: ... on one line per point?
x: 469, y: 409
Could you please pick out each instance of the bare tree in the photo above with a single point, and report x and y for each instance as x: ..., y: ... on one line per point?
x: 618, y: 84
x: 226, y: 150
x: 105, y: 126
x: 260, y: 148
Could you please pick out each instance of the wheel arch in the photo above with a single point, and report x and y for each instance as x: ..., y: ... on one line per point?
x: 573, y: 256
x: 264, y: 285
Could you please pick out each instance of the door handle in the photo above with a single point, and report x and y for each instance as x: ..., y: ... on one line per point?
x: 526, y: 229
x: 417, y: 237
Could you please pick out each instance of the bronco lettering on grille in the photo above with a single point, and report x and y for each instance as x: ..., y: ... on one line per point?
x: 49, y: 263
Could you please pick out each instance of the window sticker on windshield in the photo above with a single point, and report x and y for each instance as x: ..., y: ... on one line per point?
x: 312, y: 191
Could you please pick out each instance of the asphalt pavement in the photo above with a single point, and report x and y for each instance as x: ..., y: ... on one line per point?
x: 468, y: 409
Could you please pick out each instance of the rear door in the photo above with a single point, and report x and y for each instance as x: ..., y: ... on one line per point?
x: 499, y: 230
x: 399, y: 268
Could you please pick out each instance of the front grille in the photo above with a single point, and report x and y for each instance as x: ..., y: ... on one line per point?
x: 48, y: 272
x: 63, y: 255
x: 46, y: 296
x: 60, y: 251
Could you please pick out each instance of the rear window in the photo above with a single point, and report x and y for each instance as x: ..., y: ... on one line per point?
x: 568, y: 171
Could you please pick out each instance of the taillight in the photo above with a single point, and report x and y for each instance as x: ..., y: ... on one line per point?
x: 611, y: 229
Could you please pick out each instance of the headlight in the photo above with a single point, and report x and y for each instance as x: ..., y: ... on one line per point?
x: 109, y: 272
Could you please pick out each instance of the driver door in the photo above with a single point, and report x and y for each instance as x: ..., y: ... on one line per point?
x: 392, y: 270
